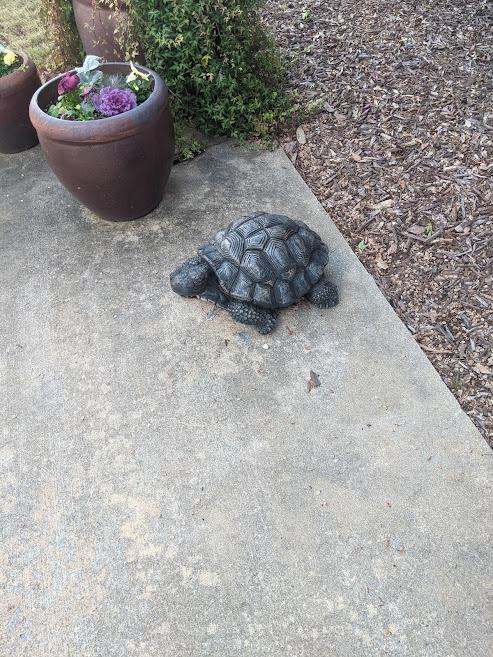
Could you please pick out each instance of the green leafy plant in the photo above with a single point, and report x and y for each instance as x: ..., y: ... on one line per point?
x: 429, y: 230
x: 9, y: 61
x: 223, y: 71
x: 87, y: 94
x: 362, y: 246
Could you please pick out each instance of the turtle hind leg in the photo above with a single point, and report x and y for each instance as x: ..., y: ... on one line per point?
x: 323, y: 294
x: 247, y: 313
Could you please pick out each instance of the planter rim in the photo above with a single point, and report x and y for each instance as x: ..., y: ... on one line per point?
x: 107, y: 129
x: 9, y: 83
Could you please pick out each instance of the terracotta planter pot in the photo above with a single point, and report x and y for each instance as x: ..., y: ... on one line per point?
x: 99, y: 37
x: 118, y: 166
x: 16, y: 90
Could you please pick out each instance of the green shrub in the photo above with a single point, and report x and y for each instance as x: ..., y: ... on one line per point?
x: 223, y: 71
x: 59, y: 22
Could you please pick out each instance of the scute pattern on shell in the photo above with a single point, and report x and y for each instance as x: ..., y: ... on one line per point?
x: 268, y: 259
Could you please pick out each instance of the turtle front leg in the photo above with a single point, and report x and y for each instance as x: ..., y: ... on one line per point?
x: 247, y: 313
x: 323, y: 294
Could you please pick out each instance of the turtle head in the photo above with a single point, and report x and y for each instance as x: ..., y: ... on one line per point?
x: 190, y: 278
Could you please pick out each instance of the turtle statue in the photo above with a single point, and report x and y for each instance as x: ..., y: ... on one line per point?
x: 256, y: 264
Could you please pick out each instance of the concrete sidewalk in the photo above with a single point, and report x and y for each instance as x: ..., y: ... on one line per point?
x: 170, y: 488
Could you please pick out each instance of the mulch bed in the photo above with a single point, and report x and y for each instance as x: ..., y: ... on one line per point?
x: 397, y: 145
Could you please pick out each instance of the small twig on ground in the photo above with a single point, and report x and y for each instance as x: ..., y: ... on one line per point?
x: 425, y: 240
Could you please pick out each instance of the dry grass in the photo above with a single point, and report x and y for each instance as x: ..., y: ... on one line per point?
x: 21, y: 28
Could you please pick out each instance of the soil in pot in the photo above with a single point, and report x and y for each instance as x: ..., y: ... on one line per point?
x: 118, y: 166
x: 16, y: 89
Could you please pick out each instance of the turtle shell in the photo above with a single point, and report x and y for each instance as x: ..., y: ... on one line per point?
x: 268, y: 259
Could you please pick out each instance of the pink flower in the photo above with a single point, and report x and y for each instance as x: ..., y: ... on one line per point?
x: 86, y: 93
x: 68, y: 83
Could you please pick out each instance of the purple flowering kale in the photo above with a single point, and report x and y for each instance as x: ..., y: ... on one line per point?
x: 68, y: 83
x: 114, y: 101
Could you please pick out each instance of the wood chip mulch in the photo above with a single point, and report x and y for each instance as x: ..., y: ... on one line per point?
x: 397, y: 145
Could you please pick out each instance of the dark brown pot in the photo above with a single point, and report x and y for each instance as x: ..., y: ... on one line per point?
x: 99, y: 37
x: 16, y: 90
x: 117, y: 167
